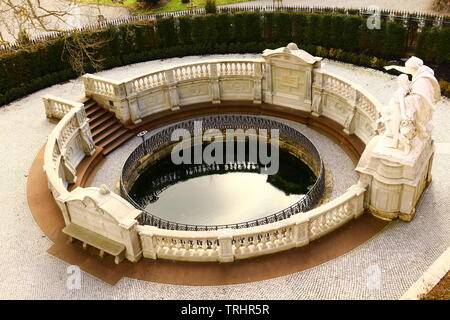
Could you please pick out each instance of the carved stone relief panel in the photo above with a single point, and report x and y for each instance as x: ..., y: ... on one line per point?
x: 336, y: 109
x: 288, y: 81
x: 153, y: 102
x: 194, y: 90
x: 236, y: 89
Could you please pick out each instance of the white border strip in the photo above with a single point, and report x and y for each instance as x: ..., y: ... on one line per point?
x: 429, y: 278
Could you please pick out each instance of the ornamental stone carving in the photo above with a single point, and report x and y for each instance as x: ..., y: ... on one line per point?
x: 397, y: 163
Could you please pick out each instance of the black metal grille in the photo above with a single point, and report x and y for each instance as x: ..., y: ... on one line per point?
x: 222, y: 122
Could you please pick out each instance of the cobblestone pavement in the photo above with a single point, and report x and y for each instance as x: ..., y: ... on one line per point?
x: 382, y: 268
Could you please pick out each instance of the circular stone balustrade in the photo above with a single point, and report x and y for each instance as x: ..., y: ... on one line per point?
x: 260, y: 86
x: 136, y: 161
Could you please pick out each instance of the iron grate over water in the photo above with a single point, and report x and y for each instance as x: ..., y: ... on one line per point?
x: 223, y: 122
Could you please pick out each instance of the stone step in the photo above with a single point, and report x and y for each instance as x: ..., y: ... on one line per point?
x: 108, y: 133
x: 117, y: 143
x: 96, y: 115
x: 107, y: 139
x: 90, y: 104
x: 93, y: 110
x: 105, y: 118
x: 102, y: 127
x: 101, y: 134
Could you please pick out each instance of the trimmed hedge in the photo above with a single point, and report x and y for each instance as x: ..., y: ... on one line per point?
x: 336, y: 36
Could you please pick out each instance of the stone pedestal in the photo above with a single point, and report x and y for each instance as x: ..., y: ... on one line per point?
x: 395, y: 181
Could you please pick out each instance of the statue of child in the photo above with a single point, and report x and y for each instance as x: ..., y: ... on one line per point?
x: 395, y: 112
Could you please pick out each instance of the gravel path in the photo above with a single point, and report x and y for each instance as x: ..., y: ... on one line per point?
x: 382, y: 268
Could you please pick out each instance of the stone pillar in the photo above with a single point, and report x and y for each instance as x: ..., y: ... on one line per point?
x: 268, y: 82
x: 349, y: 125
x: 132, y: 242
x: 148, y: 243
x: 174, y: 100
x: 257, y: 86
x: 225, y: 248
x: 300, y: 233
x: 131, y: 107
x: 85, y: 132
x: 215, y: 83
x: 396, y: 181
x: 317, y: 94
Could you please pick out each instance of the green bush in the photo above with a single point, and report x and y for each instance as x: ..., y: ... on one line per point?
x: 269, y: 27
x: 283, y: 27
x: 185, y: 30
x: 335, y: 36
x: 210, y: 6
x: 224, y: 24
x: 299, y: 24
x: 395, y: 42
x: 445, y: 88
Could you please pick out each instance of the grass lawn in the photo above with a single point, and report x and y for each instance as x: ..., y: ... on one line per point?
x: 171, y: 5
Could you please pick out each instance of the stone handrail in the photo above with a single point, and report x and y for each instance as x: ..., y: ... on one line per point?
x: 96, y: 209
x: 166, y: 89
x: 59, y: 168
x: 227, y: 245
x: 355, y: 108
x: 56, y: 107
x: 104, y: 87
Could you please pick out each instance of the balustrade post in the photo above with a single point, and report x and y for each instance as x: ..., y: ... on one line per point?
x: 257, y: 84
x: 225, y: 247
x: 358, y: 202
x: 349, y: 125
x: 268, y: 96
x: 174, y: 99
x: 132, y: 104
x: 300, y: 233
x: 317, y: 93
x: 215, y: 83
x: 85, y: 132
x: 48, y: 107
x: 149, y: 243
x: 132, y: 242
x: 88, y: 90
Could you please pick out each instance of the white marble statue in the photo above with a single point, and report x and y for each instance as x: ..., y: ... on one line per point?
x: 395, y: 112
x: 410, y: 110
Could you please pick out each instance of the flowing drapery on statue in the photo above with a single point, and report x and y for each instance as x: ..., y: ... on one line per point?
x: 396, y: 165
x: 410, y: 111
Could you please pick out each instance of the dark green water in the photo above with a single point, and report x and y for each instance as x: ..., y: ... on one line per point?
x: 220, y: 194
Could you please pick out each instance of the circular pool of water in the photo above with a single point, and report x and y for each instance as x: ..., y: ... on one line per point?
x: 225, y: 194
x: 272, y: 179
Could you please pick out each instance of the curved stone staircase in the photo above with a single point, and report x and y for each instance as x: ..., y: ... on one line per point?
x: 108, y: 133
